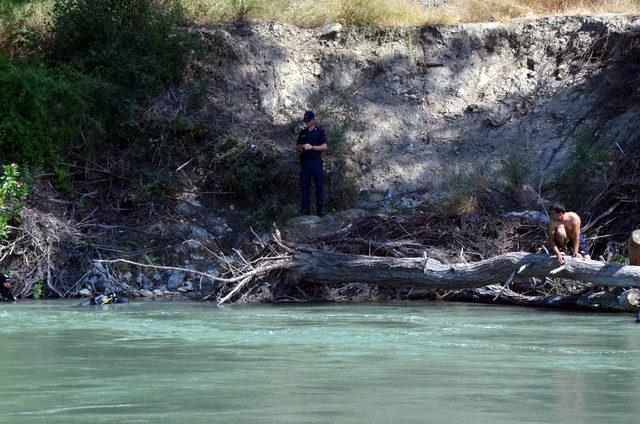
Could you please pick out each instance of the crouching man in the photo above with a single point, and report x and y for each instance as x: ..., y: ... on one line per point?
x: 564, y: 234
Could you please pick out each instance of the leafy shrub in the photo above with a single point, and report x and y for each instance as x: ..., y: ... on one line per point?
x: 133, y: 46
x: 258, y: 175
x: 107, y: 59
x: 19, y: 29
x: 13, y: 192
x: 37, y: 290
x: 40, y: 110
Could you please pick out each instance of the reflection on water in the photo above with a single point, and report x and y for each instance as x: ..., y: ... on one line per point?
x: 391, y: 363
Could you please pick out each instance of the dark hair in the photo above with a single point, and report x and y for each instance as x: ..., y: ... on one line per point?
x: 557, y: 207
x: 309, y: 116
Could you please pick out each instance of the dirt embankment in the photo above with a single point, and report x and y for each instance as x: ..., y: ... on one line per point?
x: 416, y: 112
x: 417, y: 107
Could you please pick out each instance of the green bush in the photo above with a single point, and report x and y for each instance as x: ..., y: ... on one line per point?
x: 40, y: 110
x: 37, y: 290
x: 263, y: 177
x: 17, y: 31
x: 134, y: 47
x: 341, y: 176
x: 105, y: 60
x: 13, y: 192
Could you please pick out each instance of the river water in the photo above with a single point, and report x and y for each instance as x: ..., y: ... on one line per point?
x: 365, y: 363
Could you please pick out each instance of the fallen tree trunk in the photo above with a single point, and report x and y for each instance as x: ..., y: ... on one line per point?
x: 326, y: 267
x: 286, y: 266
x: 624, y: 301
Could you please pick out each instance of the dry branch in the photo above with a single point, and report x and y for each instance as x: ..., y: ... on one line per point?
x: 261, y: 270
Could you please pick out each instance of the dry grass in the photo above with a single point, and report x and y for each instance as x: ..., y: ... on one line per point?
x: 493, y: 10
x: 311, y: 13
x: 308, y: 13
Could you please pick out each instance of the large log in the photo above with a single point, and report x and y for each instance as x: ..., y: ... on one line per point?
x: 634, y: 248
x: 619, y: 300
x: 326, y: 267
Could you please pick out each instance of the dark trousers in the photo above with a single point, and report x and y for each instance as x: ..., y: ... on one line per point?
x: 312, y: 169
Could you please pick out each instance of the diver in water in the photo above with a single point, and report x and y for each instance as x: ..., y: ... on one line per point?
x: 6, y: 295
x: 104, y: 299
x: 638, y: 315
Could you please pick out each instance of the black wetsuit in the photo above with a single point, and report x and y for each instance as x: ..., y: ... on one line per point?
x: 5, y: 293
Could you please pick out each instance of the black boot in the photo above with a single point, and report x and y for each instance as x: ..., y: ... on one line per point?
x: 321, y: 212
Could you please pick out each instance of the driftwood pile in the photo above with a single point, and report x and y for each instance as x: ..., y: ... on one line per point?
x: 275, y: 270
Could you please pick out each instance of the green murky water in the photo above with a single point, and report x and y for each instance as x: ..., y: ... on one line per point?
x: 392, y: 363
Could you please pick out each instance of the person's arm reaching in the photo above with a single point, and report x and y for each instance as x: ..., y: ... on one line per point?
x: 552, y: 244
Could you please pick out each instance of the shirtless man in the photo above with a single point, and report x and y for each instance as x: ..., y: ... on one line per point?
x: 564, y: 233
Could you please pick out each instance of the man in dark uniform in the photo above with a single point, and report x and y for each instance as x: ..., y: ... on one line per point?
x: 312, y: 141
x: 5, y: 289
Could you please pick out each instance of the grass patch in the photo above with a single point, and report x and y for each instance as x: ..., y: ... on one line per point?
x: 309, y: 13
x: 583, y: 171
x: 466, y: 191
x: 306, y: 13
x: 516, y: 168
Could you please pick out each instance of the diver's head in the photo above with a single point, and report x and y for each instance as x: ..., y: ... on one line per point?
x: 5, y: 279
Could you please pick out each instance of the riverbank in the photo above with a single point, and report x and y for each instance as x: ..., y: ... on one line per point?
x: 456, y: 125
x: 370, y: 257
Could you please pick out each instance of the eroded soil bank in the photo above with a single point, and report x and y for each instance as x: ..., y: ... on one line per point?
x: 458, y: 124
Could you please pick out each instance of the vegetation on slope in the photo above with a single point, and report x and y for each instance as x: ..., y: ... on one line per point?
x: 397, y: 12
x: 309, y: 13
x: 82, y: 80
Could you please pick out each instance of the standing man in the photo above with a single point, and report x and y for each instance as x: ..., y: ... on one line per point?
x: 312, y: 141
x: 564, y: 233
